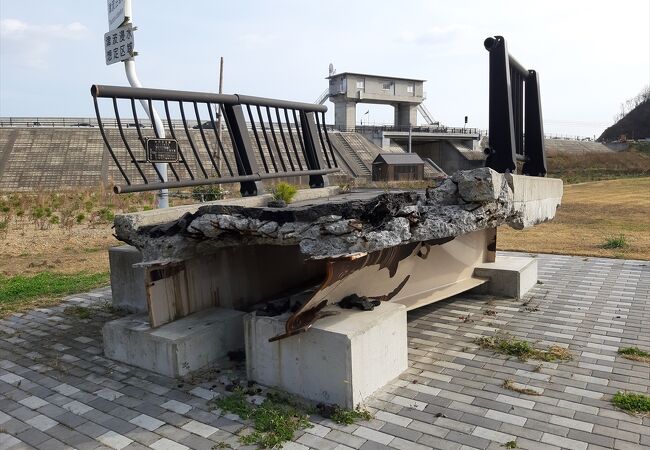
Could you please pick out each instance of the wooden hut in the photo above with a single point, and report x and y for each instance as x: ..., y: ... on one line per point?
x: 397, y: 167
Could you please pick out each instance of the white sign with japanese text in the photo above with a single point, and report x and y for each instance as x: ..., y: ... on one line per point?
x: 118, y: 44
x: 118, y: 11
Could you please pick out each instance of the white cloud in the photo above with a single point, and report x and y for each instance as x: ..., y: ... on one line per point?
x: 435, y: 35
x: 32, y: 45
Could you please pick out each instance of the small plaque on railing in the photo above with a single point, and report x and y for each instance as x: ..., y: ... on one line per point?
x: 162, y: 150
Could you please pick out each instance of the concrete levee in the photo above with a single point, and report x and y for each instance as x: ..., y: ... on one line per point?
x: 448, y: 156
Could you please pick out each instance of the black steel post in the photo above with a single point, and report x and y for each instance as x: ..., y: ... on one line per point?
x: 535, y: 163
x: 246, y: 163
x: 313, y: 149
x: 501, y: 152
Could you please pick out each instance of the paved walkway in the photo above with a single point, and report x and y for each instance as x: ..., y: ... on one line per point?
x: 58, y: 391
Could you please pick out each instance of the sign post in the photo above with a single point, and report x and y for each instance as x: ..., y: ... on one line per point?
x: 119, y: 47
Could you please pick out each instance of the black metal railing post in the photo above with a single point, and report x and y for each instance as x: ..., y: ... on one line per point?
x: 313, y: 149
x: 516, y: 128
x: 501, y: 154
x: 535, y: 163
x: 244, y: 153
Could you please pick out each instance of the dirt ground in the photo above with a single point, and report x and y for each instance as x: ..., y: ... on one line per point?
x: 590, y: 213
x: 30, y: 251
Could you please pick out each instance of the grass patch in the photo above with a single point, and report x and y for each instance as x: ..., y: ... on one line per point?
x: 20, y: 292
x: 342, y: 415
x: 516, y: 387
x: 274, y: 422
x: 508, y: 345
x: 612, y: 242
x: 280, y: 415
x: 632, y: 403
x: 80, y: 312
x: 221, y: 444
x: 635, y: 354
x: 284, y: 191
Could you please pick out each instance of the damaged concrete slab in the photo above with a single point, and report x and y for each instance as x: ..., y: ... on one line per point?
x: 358, y: 221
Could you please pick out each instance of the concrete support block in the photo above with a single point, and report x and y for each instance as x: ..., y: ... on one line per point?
x: 345, y: 114
x: 536, y: 199
x: 341, y: 359
x: 127, y: 282
x: 406, y: 114
x: 176, y: 348
x: 510, y: 276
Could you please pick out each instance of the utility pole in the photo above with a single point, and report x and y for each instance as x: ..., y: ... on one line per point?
x: 120, y: 31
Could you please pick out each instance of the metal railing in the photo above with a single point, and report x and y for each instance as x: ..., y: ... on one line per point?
x: 405, y: 128
x: 263, y: 139
x: 516, y: 128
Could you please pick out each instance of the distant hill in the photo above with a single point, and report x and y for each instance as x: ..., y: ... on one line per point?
x: 634, y: 125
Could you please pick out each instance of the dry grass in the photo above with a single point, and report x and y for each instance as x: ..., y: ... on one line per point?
x: 595, y: 166
x: 522, y: 389
x: 590, y: 214
x: 64, y: 232
x: 635, y: 354
x: 506, y: 344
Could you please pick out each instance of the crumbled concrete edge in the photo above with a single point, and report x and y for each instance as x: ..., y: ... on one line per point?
x: 468, y: 201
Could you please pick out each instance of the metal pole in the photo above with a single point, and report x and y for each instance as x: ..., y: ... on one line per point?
x: 162, y: 200
x: 218, y: 108
x: 410, y: 137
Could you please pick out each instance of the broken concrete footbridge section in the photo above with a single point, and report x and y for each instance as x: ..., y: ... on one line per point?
x: 279, y: 276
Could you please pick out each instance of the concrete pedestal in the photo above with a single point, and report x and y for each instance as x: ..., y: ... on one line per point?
x: 179, y: 347
x: 341, y: 359
x: 127, y: 282
x: 511, y: 276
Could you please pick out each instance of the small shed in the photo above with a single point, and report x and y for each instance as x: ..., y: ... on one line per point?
x: 397, y: 167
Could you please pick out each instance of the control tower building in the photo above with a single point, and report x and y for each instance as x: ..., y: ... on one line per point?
x: 347, y: 89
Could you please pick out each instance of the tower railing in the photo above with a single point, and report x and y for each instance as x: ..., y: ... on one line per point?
x: 263, y: 139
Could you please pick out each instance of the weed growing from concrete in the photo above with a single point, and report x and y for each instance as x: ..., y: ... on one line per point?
x: 349, y: 416
x: 511, y: 385
x: 632, y: 403
x: 284, y: 191
x: 221, y: 444
x: 635, y: 354
x: 273, y: 422
x: 508, y: 345
x: 280, y: 415
x: 510, y: 444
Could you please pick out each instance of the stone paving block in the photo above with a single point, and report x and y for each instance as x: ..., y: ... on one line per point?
x: 114, y: 440
x: 310, y: 441
x: 7, y: 441
x: 147, y: 422
x: 167, y: 444
x: 345, y: 438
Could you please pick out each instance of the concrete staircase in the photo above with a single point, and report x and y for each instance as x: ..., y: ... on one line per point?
x: 347, y: 152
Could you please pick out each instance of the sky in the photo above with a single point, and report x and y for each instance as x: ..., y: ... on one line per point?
x: 591, y: 56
